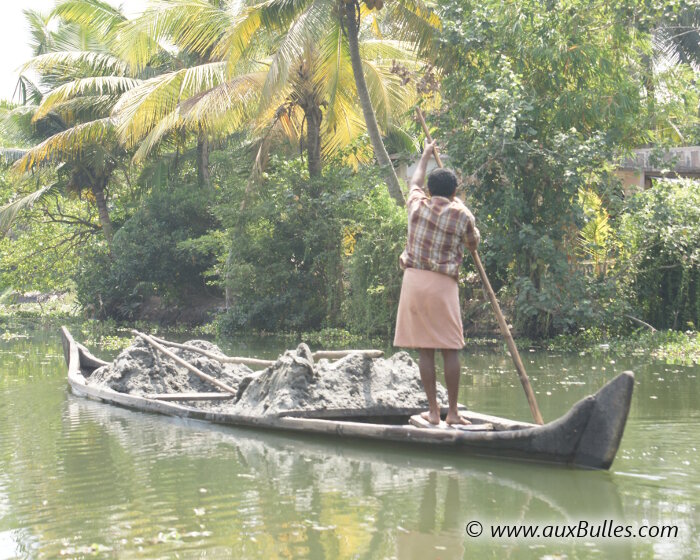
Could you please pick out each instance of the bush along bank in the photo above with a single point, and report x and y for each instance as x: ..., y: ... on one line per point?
x: 672, y: 347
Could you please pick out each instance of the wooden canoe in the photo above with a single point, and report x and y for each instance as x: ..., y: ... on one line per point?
x: 587, y: 436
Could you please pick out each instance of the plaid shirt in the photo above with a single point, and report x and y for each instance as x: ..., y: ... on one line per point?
x: 438, y: 229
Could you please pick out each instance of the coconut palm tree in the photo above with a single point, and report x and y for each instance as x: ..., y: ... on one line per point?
x: 675, y: 40
x: 65, y: 115
x: 297, y: 73
x: 300, y: 44
x: 148, y: 58
x: 408, y: 20
x: 415, y: 22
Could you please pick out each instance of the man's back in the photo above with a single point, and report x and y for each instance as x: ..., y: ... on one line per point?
x: 437, y: 231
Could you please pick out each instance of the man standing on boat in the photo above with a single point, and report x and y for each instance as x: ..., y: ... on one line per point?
x: 429, y: 317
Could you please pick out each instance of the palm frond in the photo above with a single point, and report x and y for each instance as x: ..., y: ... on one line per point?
x: 67, y: 145
x: 193, y: 25
x: 412, y: 21
x: 137, y: 43
x: 38, y: 23
x: 16, y: 124
x: 88, y: 62
x: 226, y: 107
x: 112, y: 86
x: 238, y: 38
x: 401, y: 140
x: 26, y: 91
x: 165, y: 126
x: 342, y: 119
x: 385, y: 91
x: 272, y: 16
x: 139, y: 50
x: 279, y: 14
x: 96, y: 15
x: 202, y: 78
x: 74, y: 37
x: 679, y: 39
x: 142, y: 107
x: 336, y: 68
x: 81, y: 109
x: 10, y: 211
x: 298, y: 41
x: 387, y: 50
x: 348, y: 124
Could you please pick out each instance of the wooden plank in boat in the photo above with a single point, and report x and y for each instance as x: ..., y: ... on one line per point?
x: 419, y: 422
x: 499, y: 424
x: 347, y: 413
x: 190, y: 396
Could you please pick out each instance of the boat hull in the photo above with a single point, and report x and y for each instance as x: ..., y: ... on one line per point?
x: 587, y: 436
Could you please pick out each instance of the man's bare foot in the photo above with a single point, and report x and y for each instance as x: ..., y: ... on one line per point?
x: 432, y: 417
x: 452, y: 419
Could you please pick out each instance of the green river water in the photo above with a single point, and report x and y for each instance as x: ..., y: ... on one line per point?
x: 80, y: 479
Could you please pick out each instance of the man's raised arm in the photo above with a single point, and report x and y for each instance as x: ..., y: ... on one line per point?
x: 418, y: 178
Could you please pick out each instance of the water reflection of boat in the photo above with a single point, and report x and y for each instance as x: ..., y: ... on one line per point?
x: 367, y: 467
x: 587, y: 436
x: 397, y: 505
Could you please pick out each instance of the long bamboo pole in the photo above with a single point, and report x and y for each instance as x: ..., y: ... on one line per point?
x: 214, y: 356
x: 505, y: 331
x: 318, y: 355
x: 179, y: 360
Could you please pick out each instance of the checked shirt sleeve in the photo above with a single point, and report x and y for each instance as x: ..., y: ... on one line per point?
x: 471, y: 236
x: 416, y: 194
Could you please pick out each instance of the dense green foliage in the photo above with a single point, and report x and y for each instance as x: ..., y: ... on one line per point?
x: 374, y: 275
x: 661, y: 233
x: 311, y: 253
x: 42, y: 246
x: 542, y: 97
x: 150, y: 255
x: 285, y: 256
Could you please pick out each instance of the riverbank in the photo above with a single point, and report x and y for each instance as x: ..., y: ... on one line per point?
x: 672, y: 347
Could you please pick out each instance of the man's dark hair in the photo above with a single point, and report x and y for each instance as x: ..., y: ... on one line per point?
x: 442, y: 182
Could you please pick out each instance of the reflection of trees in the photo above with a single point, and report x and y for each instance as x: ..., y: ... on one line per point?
x: 293, y: 496
x: 30, y: 402
x: 127, y: 479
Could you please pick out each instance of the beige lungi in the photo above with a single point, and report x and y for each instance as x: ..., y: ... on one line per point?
x: 429, y: 314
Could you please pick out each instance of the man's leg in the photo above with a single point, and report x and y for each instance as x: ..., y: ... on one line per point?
x: 426, y: 365
x: 451, y: 361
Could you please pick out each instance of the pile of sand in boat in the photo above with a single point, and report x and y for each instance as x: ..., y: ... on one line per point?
x: 294, y: 382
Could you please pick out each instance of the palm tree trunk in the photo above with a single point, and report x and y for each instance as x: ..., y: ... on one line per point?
x: 98, y: 191
x: 313, y: 140
x: 176, y: 162
x: 351, y: 26
x: 203, y: 171
x: 650, y: 86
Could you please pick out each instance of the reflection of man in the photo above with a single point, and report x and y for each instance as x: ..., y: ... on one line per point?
x: 429, y: 315
x: 422, y: 540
